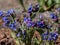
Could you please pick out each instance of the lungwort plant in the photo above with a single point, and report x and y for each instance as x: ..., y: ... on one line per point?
x: 33, y: 29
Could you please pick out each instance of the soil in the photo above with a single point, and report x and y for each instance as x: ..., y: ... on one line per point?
x: 5, y: 37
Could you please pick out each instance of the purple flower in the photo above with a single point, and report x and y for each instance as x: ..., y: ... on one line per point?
x: 54, y: 35
x: 41, y: 24
x: 1, y: 13
x: 18, y: 35
x: 30, y: 9
x: 54, y: 38
x: 58, y: 9
x: 4, y: 18
x: 12, y: 26
x: 9, y: 12
x: 48, y: 26
x: 29, y: 24
x: 47, y: 33
x: 41, y: 16
x: 49, y: 38
x: 7, y: 23
x: 53, y: 16
x: 44, y: 37
x: 25, y: 19
x: 33, y: 24
x: 29, y: 19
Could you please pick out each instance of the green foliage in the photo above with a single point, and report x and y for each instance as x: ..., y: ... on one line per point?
x: 48, y: 4
x: 57, y: 1
x: 22, y: 4
x: 13, y: 35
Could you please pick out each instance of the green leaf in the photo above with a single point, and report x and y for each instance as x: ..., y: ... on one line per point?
x: 49, y: 2
x: 13, y: 35
x: 57, y: 1
x: 17, y: 42
x: 41, y: 2
x: 21, y: 2
x: 57, y: 5
x: 37, y: 42
x: 47, y: 43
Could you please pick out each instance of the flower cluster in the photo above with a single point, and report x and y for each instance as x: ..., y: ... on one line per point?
x: 58, y: 9
x: 11, y: 11
x: 30, y: 23
x: 53, y: 16
x: 41, y: 24
x: 1, y: 13
x: 50, y: 36
x: 7, y: 19
x: 33, y: 8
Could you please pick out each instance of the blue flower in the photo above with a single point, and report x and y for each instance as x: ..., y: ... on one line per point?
x: 29, y: 24
x: 54, y: 35
x: 12, y: 26
x: 4, y: 18
x: 9, y: 12
x: 30, y: 9
x: 41, y: 17
x: 46, y: 33
x: 14, y: 22
x: 1, y: 13
x: 48, y: 26
x: 49, y: 38
x: 25, y: 19
x: 54, y: 38
x: 40, y: 24
x: 29, y: 19
x: 58, y: 9
x: 44, y: 37
x: 53, y: 16
x: 18, y: 35
x: 7, y: 22
x: 33, y: 24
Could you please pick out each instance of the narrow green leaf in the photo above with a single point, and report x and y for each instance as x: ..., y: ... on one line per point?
x: 21, y: 2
